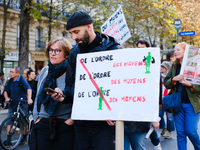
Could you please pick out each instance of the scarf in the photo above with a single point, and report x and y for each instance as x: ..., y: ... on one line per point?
x: 53, y: 73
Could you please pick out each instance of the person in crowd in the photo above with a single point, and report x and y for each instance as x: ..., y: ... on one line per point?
x: 170, y: 119
x: 37, y: 74
x: 33, y: 83
x: 1, y: 90
x: 53, y: 125
x: 25, y: 73
x: 135, y: 131
x: 18, y: 88
x: 186, y: 120
x: 98, y: 135
x: 4, y: 81
x: 142, y: 44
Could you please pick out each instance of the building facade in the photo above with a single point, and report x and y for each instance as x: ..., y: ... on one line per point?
x: 38, y: 32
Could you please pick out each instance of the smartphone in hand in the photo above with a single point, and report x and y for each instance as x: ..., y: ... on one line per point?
x: 53, y: 91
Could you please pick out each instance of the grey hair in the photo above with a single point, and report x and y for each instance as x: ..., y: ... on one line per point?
x: 17, y: 70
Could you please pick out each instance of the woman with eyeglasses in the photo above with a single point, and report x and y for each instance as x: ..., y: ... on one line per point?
x: 53, y: 127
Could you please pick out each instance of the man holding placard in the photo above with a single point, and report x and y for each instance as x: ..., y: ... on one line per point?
x: 98, y: 135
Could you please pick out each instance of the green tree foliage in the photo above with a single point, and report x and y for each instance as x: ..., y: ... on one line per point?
x: 52, y: 9
x: 147, y: 19
x: 188, y: 11
x: 100, y: 10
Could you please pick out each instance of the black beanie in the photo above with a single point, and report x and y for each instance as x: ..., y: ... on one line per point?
x: 78, y: 18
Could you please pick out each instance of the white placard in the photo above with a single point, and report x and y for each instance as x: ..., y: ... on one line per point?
x: 116, y: 26
x: 131, y: 92
x: 190, y: 66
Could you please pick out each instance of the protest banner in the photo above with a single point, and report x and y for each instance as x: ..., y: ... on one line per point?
x: 127, y: 80
x: 116, y: 26
x: 190, y: 66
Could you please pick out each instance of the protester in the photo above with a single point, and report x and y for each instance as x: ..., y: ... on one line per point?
x: 37, y: 74
x: 18, y: 88
x: 4, y: 81
x: 53, y: 126
x: 1, y: 90
x: 135, y: 131
x: 33, y: 83
x: 186, y: 120
x: 25, y: 73
x: 170, y: 119
x: 98, y: 135
x: 142, y: 44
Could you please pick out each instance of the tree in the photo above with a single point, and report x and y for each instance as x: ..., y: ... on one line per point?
x: 149, y: 19
x: 188, y: 11
x: 2, y: 56
x: 53, y: 10
x: 24, y: 35
x: 100, y: 10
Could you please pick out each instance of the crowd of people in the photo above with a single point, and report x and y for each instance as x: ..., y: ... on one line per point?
x: 54, y: 129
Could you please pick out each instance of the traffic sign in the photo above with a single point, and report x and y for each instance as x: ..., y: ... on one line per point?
x: 187, y: 33
x: 177, y: 23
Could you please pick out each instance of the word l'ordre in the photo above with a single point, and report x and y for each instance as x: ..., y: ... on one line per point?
x: 96, y: 75
x: 98, y: 59
x: 93, y: 93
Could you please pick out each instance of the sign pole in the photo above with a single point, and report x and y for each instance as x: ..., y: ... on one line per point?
x: 119, y: 135
x: 177, y: 24
x: 177, y: 36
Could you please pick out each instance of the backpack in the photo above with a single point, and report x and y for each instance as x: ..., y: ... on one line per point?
x: 20, y: 84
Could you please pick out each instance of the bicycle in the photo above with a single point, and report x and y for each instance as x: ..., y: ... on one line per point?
x: 16, y: 129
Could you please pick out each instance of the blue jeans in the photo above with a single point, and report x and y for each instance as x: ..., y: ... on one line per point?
x: 186, y: 122
x: 137, y: 140
x: 170, y: 121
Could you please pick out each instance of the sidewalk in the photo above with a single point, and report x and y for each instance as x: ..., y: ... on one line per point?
x: 3, y: 111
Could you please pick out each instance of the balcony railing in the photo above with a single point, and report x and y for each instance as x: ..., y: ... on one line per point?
x: 14, y: 4
x: 40, y: 45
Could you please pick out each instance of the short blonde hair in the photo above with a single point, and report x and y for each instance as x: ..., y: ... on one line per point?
x: 63, y: 44
x: 183, y: 46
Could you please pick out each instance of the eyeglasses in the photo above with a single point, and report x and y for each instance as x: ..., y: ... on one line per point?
x: 56, y: 51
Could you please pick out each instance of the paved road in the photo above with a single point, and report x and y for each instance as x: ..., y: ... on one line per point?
x: 167, y: 144
x: 23, y: 147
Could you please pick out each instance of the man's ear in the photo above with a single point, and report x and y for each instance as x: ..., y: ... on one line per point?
x: 89, y: 26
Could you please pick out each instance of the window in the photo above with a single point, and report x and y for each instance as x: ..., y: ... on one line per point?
x: 38, y: 33
x: 8, y: 65
x: 64, y: 34
x: 39, y: 43
x: 18, y: 35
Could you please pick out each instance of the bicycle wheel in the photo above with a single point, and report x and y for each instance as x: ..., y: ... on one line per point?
x: 15, y: 132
